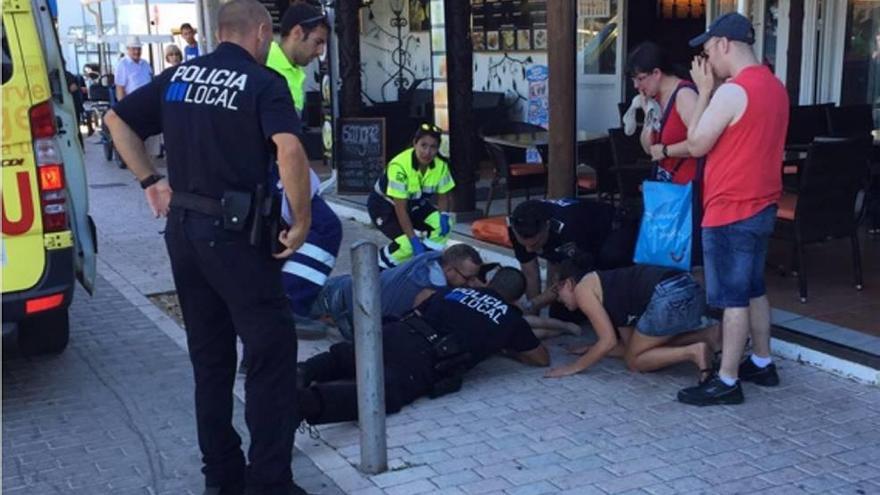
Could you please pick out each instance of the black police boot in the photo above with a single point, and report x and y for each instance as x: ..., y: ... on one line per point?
x: 765, y: 377
x: 224, y: 490
x: 319, y: 368
x: 337, y: 403
x: 712, y: 392
x: 303, y: 376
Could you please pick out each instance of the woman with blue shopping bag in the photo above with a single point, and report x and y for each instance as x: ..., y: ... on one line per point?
x: 668, y: 235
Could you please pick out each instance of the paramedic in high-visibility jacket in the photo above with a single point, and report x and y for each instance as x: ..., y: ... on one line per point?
x: 400, y: 203
x: 304, y: 32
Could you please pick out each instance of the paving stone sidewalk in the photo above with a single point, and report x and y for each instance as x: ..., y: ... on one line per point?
x: 112, y: 414
x: 511, y: 431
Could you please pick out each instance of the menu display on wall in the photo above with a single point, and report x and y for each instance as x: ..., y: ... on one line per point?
x: 508, y: 25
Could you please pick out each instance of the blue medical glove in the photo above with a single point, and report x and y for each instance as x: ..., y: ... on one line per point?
x: 445, y: 224
x: 417, y: 246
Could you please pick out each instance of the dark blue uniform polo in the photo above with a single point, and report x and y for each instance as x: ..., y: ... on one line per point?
x: 576, y: 226
x: 218, y: 114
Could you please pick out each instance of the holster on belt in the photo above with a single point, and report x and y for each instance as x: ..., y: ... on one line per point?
x: 451, y: 361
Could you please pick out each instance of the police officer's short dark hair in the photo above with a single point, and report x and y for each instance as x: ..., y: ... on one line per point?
x: 509, y: 282
x: 186, y: 25
x: 241, y: 16
x: 304, y: 15
x: 458, y: 253
x: 530, y: 217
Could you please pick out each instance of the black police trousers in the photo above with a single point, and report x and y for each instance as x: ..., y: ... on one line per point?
x: 228, y: 288
x: 409, y: 374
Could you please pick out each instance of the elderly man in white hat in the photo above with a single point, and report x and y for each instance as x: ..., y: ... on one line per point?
x: 132, y: 72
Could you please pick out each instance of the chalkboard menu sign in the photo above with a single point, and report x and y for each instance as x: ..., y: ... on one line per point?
x: 508, y: 25
x: 360, y: 153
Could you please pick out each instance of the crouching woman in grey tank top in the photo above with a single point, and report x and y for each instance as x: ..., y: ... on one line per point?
x: 650, y: 316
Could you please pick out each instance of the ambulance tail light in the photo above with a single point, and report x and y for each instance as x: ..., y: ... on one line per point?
x: 44, y: 303
x: 50, y: 168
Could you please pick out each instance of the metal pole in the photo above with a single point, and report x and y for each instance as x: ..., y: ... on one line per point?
x: 368, y: 357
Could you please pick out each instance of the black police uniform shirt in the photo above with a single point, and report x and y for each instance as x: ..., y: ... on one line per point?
x: 576, y: 226
x: 218, y: 114
x: 480, y: 319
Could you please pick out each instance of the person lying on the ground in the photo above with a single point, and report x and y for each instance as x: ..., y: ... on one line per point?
x: 403, y: 287
x: 545, y: 327
x: 427, y: 352
x: 650, y: 316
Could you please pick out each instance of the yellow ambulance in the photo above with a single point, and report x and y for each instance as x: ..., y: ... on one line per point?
x: 48, y: 238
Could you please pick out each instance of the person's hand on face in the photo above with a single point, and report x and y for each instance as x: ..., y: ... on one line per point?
x: 702, y: 75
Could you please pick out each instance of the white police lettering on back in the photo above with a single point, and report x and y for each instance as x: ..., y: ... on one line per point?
x: 487, y: 305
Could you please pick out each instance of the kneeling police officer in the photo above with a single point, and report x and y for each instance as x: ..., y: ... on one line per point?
x: 224, y: 116
x: 426, y: 352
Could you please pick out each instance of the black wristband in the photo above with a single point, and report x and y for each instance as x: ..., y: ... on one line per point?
x: 152, y: 179
x: 665, y: 151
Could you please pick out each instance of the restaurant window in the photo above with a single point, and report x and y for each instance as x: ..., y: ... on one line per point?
x: 861, y: 56
x: 598, y: 26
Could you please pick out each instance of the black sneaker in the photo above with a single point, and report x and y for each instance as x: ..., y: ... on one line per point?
x: 712, y: 392
x: 765, y: 377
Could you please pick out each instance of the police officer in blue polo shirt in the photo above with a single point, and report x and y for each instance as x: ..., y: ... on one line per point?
x: 226, y: 119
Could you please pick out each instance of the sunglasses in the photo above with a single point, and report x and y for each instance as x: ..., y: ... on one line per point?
x: 431, y: 128
x: 311, y: 20
x: 470, y: 278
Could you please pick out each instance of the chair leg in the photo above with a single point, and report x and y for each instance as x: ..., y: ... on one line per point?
x: 857, y: 259
x: 801, y: 273
x: 492, y: 184
x: 509, y: 201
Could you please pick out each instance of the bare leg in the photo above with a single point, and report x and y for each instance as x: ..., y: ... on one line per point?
x: 736, y: 331
x: 759, y: 319
x: 646, y: 353
x: 710, y: 335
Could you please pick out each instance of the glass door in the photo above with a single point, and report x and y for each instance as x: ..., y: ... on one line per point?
x: 860, y: 82
x: 599, y: 66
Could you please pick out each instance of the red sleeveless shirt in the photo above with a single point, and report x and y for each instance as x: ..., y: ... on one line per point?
x: 743, y: 173
x: 675, y: 131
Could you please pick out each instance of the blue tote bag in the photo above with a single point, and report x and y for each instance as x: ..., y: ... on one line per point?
x: 665, y: 236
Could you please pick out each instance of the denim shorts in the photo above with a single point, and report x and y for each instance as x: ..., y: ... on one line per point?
x: 734, y: 257
x: 677, y: 306
x: 332, y: 302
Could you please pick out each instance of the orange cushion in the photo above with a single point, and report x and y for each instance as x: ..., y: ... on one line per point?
x: 492, y: 230
x: 520, y: 169
x: 787, y: 205
x: 587, y: 182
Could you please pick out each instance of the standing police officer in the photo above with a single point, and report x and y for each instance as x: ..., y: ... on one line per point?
x: 223, y: 115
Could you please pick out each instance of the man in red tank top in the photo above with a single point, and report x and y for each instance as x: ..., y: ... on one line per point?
x: 741, y: 131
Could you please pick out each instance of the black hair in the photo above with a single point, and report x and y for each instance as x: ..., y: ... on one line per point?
x: 427, y: 129
x: 530, y: 217
x: 576, y: 267
x: 508, y: 282
x: 186, y: 25
x: 646, y: 57
x: 306, y: 16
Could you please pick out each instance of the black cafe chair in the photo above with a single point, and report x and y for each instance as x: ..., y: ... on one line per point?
x: 850, y: 120
x: 509, y: 164
x: 631, y: 165
x: 805, y: 122
x: 825, y: 205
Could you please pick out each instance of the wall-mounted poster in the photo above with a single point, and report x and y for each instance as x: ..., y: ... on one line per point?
x: 419, y: 17
x: 509, y: 25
